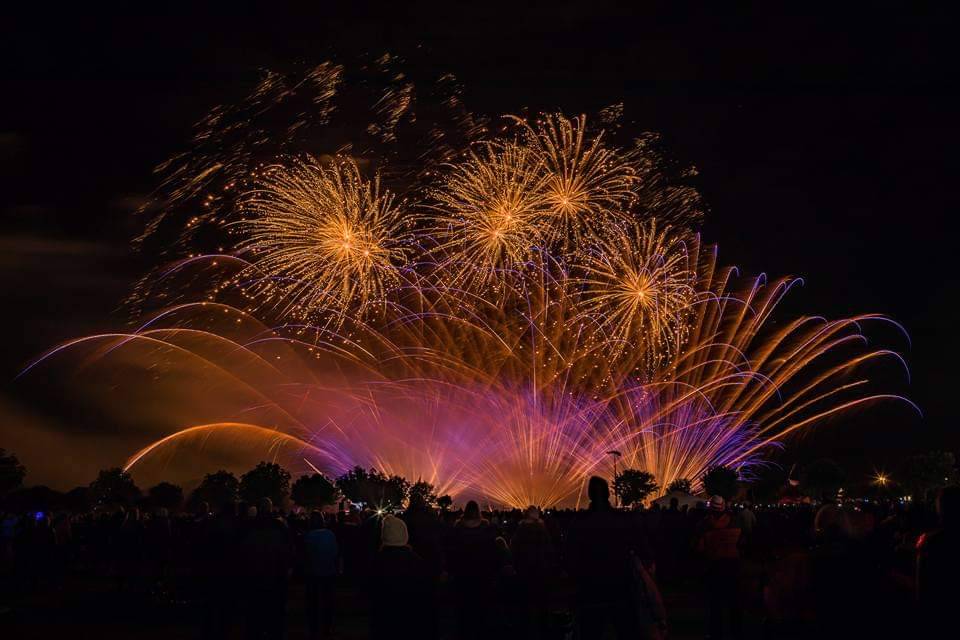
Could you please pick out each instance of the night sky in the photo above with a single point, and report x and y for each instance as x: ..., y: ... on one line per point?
x: 825, y: 144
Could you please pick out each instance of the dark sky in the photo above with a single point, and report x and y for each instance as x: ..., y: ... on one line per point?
x: 825, y: 142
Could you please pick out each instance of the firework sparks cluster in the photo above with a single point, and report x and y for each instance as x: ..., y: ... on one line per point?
x: 322, y: 237
x: 492, y: 316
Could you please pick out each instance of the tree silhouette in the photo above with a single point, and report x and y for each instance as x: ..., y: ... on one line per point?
x: 769, y: 484
x: 422, y: 492
x: 822, y: 478
x: 266, y: 480
x: 683, y: 485
x: 720, y: 481
x: 12, y: 473
x: 633, y: 485
x: 929, y: 471
x: 373, y: 488
x: 217, y: 490
x: 166, y: 495
x: 114, y: 486
x: 313, y: 492
x: 444, y: 502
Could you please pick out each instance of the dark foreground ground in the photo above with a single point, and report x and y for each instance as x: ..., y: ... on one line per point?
x: 87, y: 607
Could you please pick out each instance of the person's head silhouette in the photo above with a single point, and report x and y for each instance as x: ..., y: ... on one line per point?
x: 471, y: 511
x: 598, y: 491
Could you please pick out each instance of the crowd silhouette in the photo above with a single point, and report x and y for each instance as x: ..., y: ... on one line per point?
x: 879, y: 569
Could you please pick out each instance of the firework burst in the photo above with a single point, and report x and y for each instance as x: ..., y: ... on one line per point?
x: 640, y: 285
x: 322, y: 239
x: 587, y: 185
x: 536, y: 317
x: 485, y: 211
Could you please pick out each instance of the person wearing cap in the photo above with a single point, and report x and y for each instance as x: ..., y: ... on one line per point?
x: 401, y: 587
x: 718, y: 543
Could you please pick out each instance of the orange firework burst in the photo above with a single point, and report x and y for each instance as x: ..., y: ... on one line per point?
x: 640, y: 287
x: 587, y: 185
x: 322, y: 238
x: 485, y: 210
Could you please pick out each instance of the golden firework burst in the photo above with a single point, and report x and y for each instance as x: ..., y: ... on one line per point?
x: 586, y: 184
x: 322, y: 238
x: 639, y: 287
x: 485, y: 210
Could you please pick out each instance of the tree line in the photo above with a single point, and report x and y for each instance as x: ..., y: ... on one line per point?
x: 821, y: 479
x: 115, y: 486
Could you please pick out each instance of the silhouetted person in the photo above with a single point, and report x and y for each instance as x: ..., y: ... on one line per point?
x: 158, y: 539
x: 322, y: 554
x: 531, y: 555
x: 265, y: 556
x: 601, y: 546
x: 842, y: 577
x: 401, y: 587
x: 672, y: 541
x: 747, y: 521
x: 426, y: 533
x: 718, y: 542
x: 128, y: 550
x: 353, y: 551
x: 474, y: 563
x: 39, y: 548
x: 217, y: 566
x: 530, y: 544
x: 938, y: 565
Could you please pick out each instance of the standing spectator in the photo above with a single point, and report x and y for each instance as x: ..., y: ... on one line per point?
x: 426, y: 533
x: 718, y: 542
x: 353, y: 551
x: 938, y: 565
x: 322, y: 558
x: 531, y: 554
x: 748, y: 520
x: 39, y: 545
x: 474, y: 566
x: 158, y: 540
x: 217, y: 566
x: 842, y: 577
x: 401, y: 588
x: 530, y: 544
x: 600, y: 549
x: 128, y: 550
x: 265, y: 556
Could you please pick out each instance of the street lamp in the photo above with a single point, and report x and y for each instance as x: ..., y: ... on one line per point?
x: 615, y: 454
